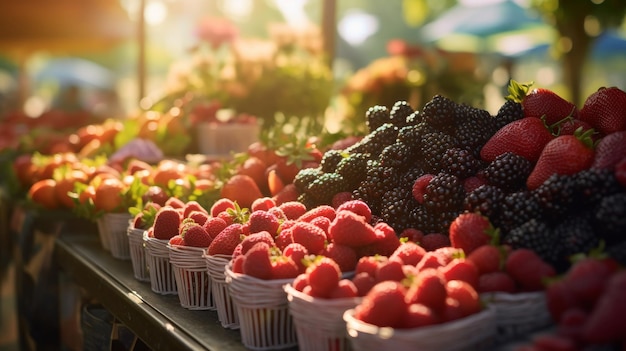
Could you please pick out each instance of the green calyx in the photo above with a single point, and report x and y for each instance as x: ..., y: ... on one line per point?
x: 518, y: 91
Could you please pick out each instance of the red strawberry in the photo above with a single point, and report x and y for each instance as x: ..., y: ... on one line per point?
x: 525, y: 137
x: 310, y: 236
x: 297, y: 252
x: 350, y: 229
x: 620, y: 172
x: 263, y: 204
x: 369, y: 264
x: 606, y: 321
x: 419, y: 315
x: 226, y: 241
x: 323, y: 210
x: 174, y: 202
x: 345, y: 256
x: 428, y: 288
x: 461, y: 269
x: 176, y: 240
x: 587, y: 278
x: 496, y: 281
x: 541, y: 102
x: 199, y: 217
x: 257, y: 262
x: 419, y: 187
x: 359, y: 207
x: 469, y: 231
x: 284, y: 238
x: 570, y: 126
x: 605, y: 110
x: 286, y: 194
x: 384, y: 305
x: 610, y: 150
x: 166, y: 223
x: 299, y: 282
x: 214, y: 225
x: 340, y: 198
x: 487, y: 258
x: 284, y: 268
x: 293, y: 209
x: 238, y: 264
x: 434, y: 241
x: 559, y: 298
x: 553, y: 342
x: 565, y: 155
x: 250, y: 240
x: 465, y: 294
x: 195, y: 235
x: 431, y: 260
x: 191, y: 206
x: 322, y: 222
x: 390, y: 270
x: 412, y: 234
x: 385, y: 244
x: 528, y: 269
x: 221, y: 205
x: 344, y: 289
x: 263, y: 221
x: 364, y: 282
x: 323, y: 275
x: 409, y: 252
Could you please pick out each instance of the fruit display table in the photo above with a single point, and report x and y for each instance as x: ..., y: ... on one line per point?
x: 158, y: 320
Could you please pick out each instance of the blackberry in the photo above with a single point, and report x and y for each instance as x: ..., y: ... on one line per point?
x: 330, y: 160
x: 433, y: 146
x: 508, y: 171
x: 609, y: 217
x: 399, y: 113
x: 592, y: 185
x: 414, y: 118
x: 485, y: 199
x: 377, y: 180
x: 353, y: 169
x: 439, y: 112
x: 473, y: 128
x: 444, y: 193
x: 397, y: 205
x: 516, y: 208
x: 410, y: 175
x: 423, y: 220
x: 307, y: 200
x: 576, y: 234
x: 460, y: 162
x: 305, y: 176
x: 510, y: 111
x: 325, y: 187
x: 376, y: 116
x: 536, y: 235
x: 374, y: 143
x: 556, y: 195
x: 396, y: 155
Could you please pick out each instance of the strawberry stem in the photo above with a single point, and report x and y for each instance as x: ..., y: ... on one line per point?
x: 518, y: 91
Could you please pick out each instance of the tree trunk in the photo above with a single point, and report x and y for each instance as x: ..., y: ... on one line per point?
x: 574, y: 60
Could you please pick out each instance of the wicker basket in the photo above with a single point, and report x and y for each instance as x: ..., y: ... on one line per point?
x: 319, y: 322
x: 226, y: 310
x: 102, y: 234
x: 476, y: 332
x: 162, y: 280
x: 518, y: 315
x: 116, y: 234
x: 264, y: 319
x: 192, y: 280
x: 137, y: 249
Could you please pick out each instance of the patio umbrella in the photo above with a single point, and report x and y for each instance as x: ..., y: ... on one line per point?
x: 485, y: 26
x: 75, y: 71
x: 607, y: 45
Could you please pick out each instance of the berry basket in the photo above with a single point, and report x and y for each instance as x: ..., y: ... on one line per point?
x: 162, y: 280
x: 518, y: 315
x: 192, y: 280
x: 115, y: 232
x: 226, y: 310
x: 264, y: 319
x: 137, y: 249
x: 102, y: 234
x: 476, y: 332
x: 319, y: 322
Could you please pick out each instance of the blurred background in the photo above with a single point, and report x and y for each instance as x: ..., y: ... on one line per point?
x: 112, y: 57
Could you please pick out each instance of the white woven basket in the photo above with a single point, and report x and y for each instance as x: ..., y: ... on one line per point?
x: 226, y: 310
x: 264, y: 319
x: 137, y: 249
x: 319, y: 322
x: 162, y: 280
x: 192, y: 280
x: 518, y: 315
x: 102, y: 234
x: 476, y: 332
x: 116, y: 229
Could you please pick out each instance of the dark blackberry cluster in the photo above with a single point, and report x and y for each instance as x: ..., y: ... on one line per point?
x: 440, y: 113
x: 399, y: 113
x: 508, y: 171
x: 376, y: 116
x: 485, y: 199
x: 353, y: 169
x: 538, y: 236
x: 510, y: 111
x: 444, y: 193
x: 330, y: 160
x: 460, y: 162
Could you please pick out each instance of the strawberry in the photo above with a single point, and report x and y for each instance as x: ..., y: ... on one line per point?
x: 340, y: 198
x: 323, y: 210
x: 409, y: 252
x: 559, y: 299
x: 322, y: 222
x: 460, y: 269
x: 452, y: 310
x: 254, y: 167
x: 241, y: 189
x: 434, y: 241
x: 284, y: 268
x: 323, y: 275
x: 496, y: 281
x: 195, y: 235
x: 226, y: 241
x: 286, y: 194
x: 310, y: 236
x: 278, y: 213
x: 250, y: 240
x: 299, y: 282
x: 350, y: 229
x: 605, y: 110
x: 174, y: 202
x: 412, y: 234
x: 620, y: 172
x: 263, y: 204
x: 297, y: 252
x: 369, y: 264
x: 166, y: 223
x: 487, y: 258
x: 263, y: 221
x: 221, y: 205
x: 465, y: 294
x: 610, y: 150
x: 191, y: 206
x: 385, y: 244
x: 431, y: 260
x: 525, y: 137
x: 428, y: 288
x: 419, y: 187
x: 470, y: 230
x: 293, y: 209
x: 359, y: 207
x: 419, y: 315
x: 541, y: 102
x: 390, y: 270
x: 176, y: 240
x: 284, y: 238
x: 364, y: 282
x: 345, y: 256
x: 553, y: 342
x: 199, y: 217
x: 605, y: 323
x: 214, y: 225
x: 383, y: 306
x: 586, y: 279
x: 565, y: 155
x: 257, y: 261
x: 528, y: 269
x: 238, y: 264
x: 344, y: 289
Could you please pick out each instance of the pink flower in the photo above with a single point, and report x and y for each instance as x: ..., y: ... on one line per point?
x: 216, y: 31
